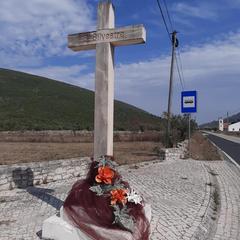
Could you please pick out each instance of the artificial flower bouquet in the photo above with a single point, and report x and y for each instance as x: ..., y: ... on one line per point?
x: 104, y: 201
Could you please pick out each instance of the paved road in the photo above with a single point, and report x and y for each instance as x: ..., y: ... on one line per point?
x: 225, y: 136
x: 229, y: 147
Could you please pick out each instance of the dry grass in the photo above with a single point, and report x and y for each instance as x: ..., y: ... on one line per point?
x: 68, y: 136
x: 202, y: 149
x: 134, y: 152
x: 23, y: 152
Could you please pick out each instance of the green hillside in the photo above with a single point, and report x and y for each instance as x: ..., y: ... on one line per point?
x: 29, y: 102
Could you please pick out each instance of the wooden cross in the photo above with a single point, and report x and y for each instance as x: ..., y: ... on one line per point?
x: 104, y: 40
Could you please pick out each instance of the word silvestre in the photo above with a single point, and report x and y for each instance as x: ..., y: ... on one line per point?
x: 99, y: 36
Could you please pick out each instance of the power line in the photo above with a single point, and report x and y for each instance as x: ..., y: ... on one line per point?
x: 165, y: 23
x: 181, y: 67
x: 179, y: 74
x: 169, y: 19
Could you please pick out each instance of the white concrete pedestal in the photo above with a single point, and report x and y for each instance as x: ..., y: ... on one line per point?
x: 57, y: 228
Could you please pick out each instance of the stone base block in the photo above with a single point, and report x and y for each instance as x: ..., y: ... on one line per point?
x: 57, y: 228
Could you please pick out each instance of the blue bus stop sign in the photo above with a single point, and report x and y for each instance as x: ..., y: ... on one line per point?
x: 189, y: 102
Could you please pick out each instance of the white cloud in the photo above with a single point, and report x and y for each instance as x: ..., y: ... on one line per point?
x: 70, y: 74
x: 184, y: 12
x: 39, y: 28
x: 212, y: 69
x: 231, y: 3
x: 217, y: 58
x: 199, y: 10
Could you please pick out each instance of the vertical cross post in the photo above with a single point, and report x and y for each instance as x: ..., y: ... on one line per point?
x: 104, y: 86
x: 104, y: 40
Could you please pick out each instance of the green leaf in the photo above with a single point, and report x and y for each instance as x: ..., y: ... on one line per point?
x: 97, y: 189
x: 104, y: 161
x: 122, y: 218
x: 108, y: 188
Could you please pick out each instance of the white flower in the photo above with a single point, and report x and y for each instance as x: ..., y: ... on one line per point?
x: 132, y: 196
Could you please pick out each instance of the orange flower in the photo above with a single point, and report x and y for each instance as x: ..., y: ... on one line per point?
x: 105, y: 174
x: 118, y: 195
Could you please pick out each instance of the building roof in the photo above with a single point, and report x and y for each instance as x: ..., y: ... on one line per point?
x: 234, y: 124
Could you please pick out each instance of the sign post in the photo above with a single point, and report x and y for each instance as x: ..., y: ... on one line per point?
x: 189, y: 105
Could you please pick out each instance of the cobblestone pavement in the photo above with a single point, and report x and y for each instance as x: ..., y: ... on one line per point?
x: 180, y: 193
x: 228, y: 224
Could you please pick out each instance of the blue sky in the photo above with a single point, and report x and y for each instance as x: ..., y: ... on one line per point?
x: 34, y: 39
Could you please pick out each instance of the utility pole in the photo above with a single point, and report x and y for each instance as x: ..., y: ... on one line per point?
x: 174, y: 46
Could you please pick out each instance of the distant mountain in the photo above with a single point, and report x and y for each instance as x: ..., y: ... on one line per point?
x: 214, y: 124
x: 29, y: 102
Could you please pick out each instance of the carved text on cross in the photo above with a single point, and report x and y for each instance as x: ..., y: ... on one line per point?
x: 117, y: 37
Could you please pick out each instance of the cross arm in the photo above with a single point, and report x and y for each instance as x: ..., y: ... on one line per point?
x: 129, y: 35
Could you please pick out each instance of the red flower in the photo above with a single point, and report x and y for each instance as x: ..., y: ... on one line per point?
x: 118, y: 195
x: 105, y: 175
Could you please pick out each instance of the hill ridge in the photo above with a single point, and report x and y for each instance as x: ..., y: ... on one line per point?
x: 31, y: 102
x: 214, y: 124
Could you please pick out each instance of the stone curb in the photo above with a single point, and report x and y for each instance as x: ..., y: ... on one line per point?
x: 199, y: 230
x: 209, y: 212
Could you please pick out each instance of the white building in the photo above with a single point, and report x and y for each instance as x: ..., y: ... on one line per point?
x: 235, y: 127
x: 221, y: 126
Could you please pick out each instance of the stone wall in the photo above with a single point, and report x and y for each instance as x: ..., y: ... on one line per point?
x: 176, y: 153
x: 76, y: 136
x: 29, y: 174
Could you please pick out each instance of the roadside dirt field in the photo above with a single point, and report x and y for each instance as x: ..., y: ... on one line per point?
x: 202, y: 149
x: 23, y: 152
x: 124, y: 152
